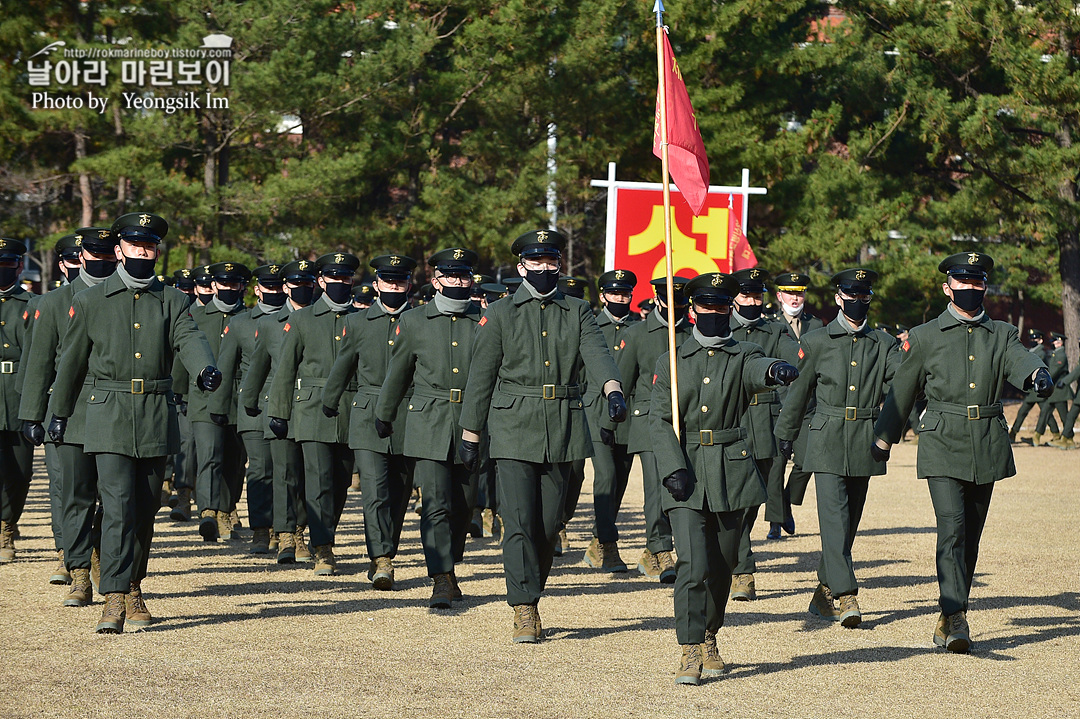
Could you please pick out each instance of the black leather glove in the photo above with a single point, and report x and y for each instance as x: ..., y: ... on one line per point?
x: 678, y: 485
x: 34, y: 433
x: 781, y: 373
x: 57, y: 427
x: 616, y: 407
x: 252, y: 411
x: 469, y: 452
x: 280, y: 427
x: 219, y: 419
x: 209, y: 379
x: 787, y: 448
x: 383, y: 429
x: 1042, y: 384
x: 879, y: 454
x: 607, y: 436
x: 330, y: 411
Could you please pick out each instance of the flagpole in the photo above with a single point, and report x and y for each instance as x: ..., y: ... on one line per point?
x: 658, y: 8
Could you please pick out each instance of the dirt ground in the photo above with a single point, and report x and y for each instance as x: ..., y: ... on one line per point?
x: 238, y: 635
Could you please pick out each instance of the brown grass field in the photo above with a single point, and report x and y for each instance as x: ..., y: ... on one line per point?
x: 240, y: 636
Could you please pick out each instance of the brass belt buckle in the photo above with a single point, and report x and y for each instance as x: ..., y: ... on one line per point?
x: 549, y: 391
x: 976, y: 413
x: 705, y: 438
x: 851, y: 413
x: 137, y: 386
x: 753, y: 400
x: 7, y: 367
x: 455, y: 396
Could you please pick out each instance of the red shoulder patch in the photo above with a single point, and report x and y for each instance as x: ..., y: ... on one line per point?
x: 287, y: 327
x: 397, y: 330
x: 801, y: 354
x: 483, y: 321
x: 343, y: 330
x: 906, y: 346
x: 26, y: 314
x: 226, y: 330
x: 71, y: 311
x: 37, y: 313
x: 654, y: 378
x: 622, y: 345
x: 256, y: 334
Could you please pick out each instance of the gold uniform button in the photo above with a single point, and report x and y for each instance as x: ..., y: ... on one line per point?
x: 744, y: 453
x: 91, y: 397
x: 704, y: 408
x: 3, y: 299
x: 138, y: 355
x: 137, y: 325
x: 547, y: 363
x: 712, y: 352
x: 3, y: 322
x: 705, y: 381
x: 454, y: 343
x: 137, y: 295
x: 410, y: 406
x: 453, y: 319
x: 6, y: 344
x: 455, y: 370
x: 854, y: 363
x: 544, y: 333
x: 972, y: 385
x: 337, y: 338
x: 971, y: 357
x: 390, y: 342
x: 854, y: 339
x: 637, y: 411
x: 393, y: 319
x: 851, y: 388
x: 970, y: 330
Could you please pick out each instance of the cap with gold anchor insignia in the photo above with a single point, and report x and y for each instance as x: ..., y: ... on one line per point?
x: 1034, y: 334
x: 299, y: 271
x: 751, y: 280
x: 393, y: 267
x: 337, y: 264
x: 791, y: 281
x: 857, y: 280
x: 967, y: 265
x: 617, y: 280
x: 229, y: 272
x: 713, y: 288
x: 167, y: 280
x: 1055, y: 336
x: 538, y: 243
x: 184, y: 279
x: 678, y: 285
x: 573, y: 286
x: 140, y: 227
x: 69, y: 247
x: 99, y: 240
x: 455, y: 260
x: 203, y: 278
x: 11, y: 249
x: 268, y: 275
x: 363, y: 294
x: 494, y: 291
x: 479, y: 279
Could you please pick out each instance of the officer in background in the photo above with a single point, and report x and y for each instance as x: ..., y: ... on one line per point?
x: 747, y: 325
x: 16, y: 452
x: 184, y: 465
x: 848, y: 367
x: 1034, y: 343
x: 644, y: 342
x: 362, y: 296
x: 960, y: 360
x: 571, y: 287
x: 525, y: 388
x: 476, y: 293
x: 121, y: 339
x: 219, y: 452
x: 485, y: 521
x: 1068, y: 429
x: 433, y: 349
x: 287, y: 458
x: 611, y: 461
x: 204, y: 285
x: 385, y: 472
x: 791, y: 296
x: 234, y: 360
x: 313, y: 341
x: 708, y: 472
x: 1058, y: 364
x: 645, y: 307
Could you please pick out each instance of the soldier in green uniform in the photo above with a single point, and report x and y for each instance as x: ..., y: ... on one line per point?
x: 219, y: 451
x: 1058, y: 364
x: 1034, y: 343
x: 204, y: 285
x: 848, y: 367
x: 960, y: 360
x: 791, y: 295
x: 77, y: 471
x: 747, y: 325
x: 287, y: 458
x: 571, y: 287
x: 313, y: 341
x: 121, y: 340
x: 16, y: 452
x: 433, y: 349
x: 708, y: 469
x: 385, y: 472
x: 611, y: 461
x: 644, y: 342
x: 1068, y: 428
x: 525, y: 388
x: 234, y: 359
x: 484, y: 522
x: 185, y: 468
x: 362, y: 296
x: 477, y: 293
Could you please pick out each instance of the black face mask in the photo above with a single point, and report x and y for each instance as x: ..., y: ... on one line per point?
x: 543, y: 281
x: 749, y: 312
x: 968, y: 300
x: 8, y: 275
x: 338, y: 292
x: 618, y: 309
x: 273, y: 299
x: 713, y: 324
x: 393, y: 300
x: 302, y: 295
x: 71, y: 273
x: 854, y: 310
x: 141, y: 268
x: 456, y: 293
x: 228, y: 297
x: 99, y: 268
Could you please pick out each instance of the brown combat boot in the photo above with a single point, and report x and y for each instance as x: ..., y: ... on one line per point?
x: 491, y: 522
x: 325, y: 563
x: 260, y: 541
x: 457, y: 587
x: 689, y: 668
x: 850, y: 616
x: 208, y: 525
x: 135, y: 608
x: 235, y: 517
x: 381, y: 573
x: 648, y: 565
x: 743, y: 588
x: 174, y: 494
x: 953, y: 633
x: 112, y: 618
x: 286, y: 552
x: 667, y: 567
x: 225, y: 527
x: 303, y: 553
x: 81, y: 592
x: 593, y: 555
x: 166, y: 493
x: 60, y: 575
x: 95, y: 568
x: 823, y: 605
x: 525, y: 631
x: 562, y: 543
x: 612, y: 560
x: 442, y: 592
x: 712, y: 664
x: 181, y: 511
x: 272, y: 545
x: 7, y: 542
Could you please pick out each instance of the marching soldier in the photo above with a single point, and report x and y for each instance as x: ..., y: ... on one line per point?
x: 204, y: 285
x: 362, y: 296
x: 611, y: 461
x: 313, y: 341
x: 847, y: 366
x: 710, y: 476
x: 121, y: 340
x: 525, y: 388
x: 477, y: 293
x: 234, y: 360
x: 1035, y: 346
x: 571, y: 287
x: 287, y: 459
x: 433, y: 349
x: 385, y: 472
x: 185, y: 467
x: 485, y: 520
x: 16, y: 452
x: 1068, y: 428
x: 644, y: 342
x: 960, y: 361
x: 1058, y: 364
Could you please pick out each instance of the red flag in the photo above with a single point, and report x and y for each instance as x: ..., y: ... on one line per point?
x: 741, y: 255
x: 687, y: 162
